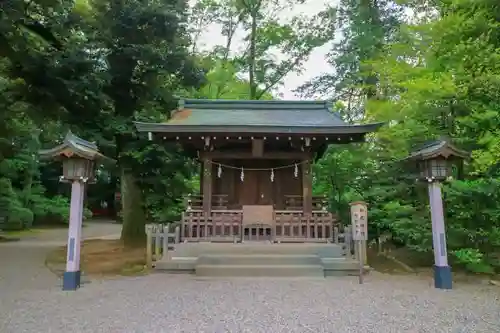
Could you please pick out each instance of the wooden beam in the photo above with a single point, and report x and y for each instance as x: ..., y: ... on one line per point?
x: 220, y: 155
x: 257, y: 147
x: 207, y: 185
x: 306, y: 187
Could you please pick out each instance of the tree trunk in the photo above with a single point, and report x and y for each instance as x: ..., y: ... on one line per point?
x: 134, y: 218
x: 252, y: 55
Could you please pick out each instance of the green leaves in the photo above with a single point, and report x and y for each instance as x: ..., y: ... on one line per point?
x: 271, y: 47
x: 432, y: 76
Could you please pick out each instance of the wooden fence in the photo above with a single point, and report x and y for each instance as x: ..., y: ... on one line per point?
x: 160, y: 239
x: 216, y: 226
x: 295, y: 226
x: 346, y: 238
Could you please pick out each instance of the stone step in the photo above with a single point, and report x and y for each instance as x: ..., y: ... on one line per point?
x: 198, y: 249
x: 260, y: 270
x: 259, y: 259
x: 340, y: 264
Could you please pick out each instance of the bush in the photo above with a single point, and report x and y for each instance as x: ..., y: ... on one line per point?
x: 16, y: 216
x: 19, y: 218
x: 473, y: 223
x: 87, y: 214
x: 54, y: 211
x: 51, y: 210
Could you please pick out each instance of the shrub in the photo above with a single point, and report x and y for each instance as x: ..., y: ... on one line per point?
x: 19, y: 218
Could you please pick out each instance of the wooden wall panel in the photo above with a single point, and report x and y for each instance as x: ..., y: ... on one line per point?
x: 257, y: 182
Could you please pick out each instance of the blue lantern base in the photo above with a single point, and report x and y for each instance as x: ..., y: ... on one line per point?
x: 71, y: 280
x: 442, y: 277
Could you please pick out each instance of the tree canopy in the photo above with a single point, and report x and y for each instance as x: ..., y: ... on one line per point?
x: 428, y: 69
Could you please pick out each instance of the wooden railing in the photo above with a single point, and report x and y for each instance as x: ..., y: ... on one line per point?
x: 220, y: 202
x: 294, y: 202
x: 216, y: 226
x: 287, y: 226
x: 160, y: 239
x: 295, y: 226
x: 195, y: 201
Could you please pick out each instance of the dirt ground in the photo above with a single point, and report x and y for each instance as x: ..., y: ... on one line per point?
x: 102, y: 257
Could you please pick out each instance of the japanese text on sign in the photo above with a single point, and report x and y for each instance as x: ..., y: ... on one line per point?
x: 359, y: 218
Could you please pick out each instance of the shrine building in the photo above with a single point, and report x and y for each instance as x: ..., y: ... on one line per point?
x: 255, y: 167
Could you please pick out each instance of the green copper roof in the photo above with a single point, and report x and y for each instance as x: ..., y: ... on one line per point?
x: 437, y: 148
x: 198, y: 115
x: 255, y: 113
x: 74, y: 146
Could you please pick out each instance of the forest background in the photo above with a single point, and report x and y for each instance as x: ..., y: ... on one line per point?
x: 426, y: 68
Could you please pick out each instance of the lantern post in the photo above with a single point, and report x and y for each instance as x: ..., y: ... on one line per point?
x: 434, y: 162
x: 79, y: 159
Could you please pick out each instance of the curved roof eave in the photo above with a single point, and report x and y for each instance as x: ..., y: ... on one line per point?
x: 255, y: 129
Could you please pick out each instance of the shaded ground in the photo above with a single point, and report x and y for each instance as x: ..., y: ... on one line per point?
x: 22, y: 262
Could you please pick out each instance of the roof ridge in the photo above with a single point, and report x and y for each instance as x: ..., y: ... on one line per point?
x: 286, y: 105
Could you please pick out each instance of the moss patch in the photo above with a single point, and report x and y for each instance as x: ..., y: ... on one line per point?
x: 102, y: 258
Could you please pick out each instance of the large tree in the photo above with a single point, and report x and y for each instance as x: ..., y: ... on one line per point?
x: 114, y: 62
x: 271, y: 45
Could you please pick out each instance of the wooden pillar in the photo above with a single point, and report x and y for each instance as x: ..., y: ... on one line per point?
x: 202, y: 168
x: 207, y: 185
x: 306, y: 187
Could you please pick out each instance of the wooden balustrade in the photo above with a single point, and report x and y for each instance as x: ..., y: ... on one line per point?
x: 294, y: 202
x: 295, y: 226
x: 287, y: 226
x: 160, y: 239
x: 216, y: 226
x: 195, y: 201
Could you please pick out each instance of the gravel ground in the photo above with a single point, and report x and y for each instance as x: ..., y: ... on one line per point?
x: 177, y: 303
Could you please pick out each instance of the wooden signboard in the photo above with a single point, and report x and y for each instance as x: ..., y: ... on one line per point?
x: 359, y: 219
x: 257, y: 214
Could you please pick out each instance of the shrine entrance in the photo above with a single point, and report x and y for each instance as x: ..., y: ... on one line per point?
x: 256, y: 188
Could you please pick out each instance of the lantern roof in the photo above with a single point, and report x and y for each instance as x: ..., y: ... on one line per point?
x: 74, y: 146
x: 441, y: 148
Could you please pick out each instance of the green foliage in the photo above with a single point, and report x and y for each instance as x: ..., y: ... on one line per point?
x: 431, y: 76
x: 16, y: 216
x: 19, y: 218
x: 96, y: 67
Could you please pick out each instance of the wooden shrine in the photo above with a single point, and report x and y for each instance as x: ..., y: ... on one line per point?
x: 256, y: 156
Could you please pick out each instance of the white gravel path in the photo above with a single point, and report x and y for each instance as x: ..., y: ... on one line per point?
x: 176, y: 303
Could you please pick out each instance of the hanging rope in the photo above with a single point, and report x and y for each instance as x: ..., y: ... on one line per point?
x: 294, y: 165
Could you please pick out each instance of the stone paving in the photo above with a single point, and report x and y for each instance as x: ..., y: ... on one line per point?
x: 157, y: 303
